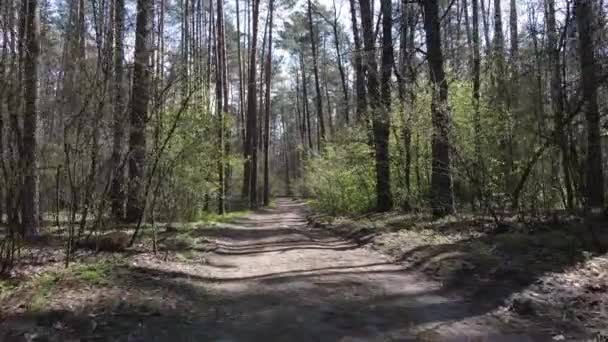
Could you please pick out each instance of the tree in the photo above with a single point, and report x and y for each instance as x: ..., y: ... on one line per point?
x: 268, y: 77
x: 442, y: 193
x: 117, y: 190
x: 594, y: 178
x: 381, y: 122
x: 315, y: 68
x: 557, y: 99
x: 359, y: 69
x: 30, y: 52
x: 251, y: 141
x: 221, y: 101
x: 305, y: 100
x: 139, y: 111
x: 335, y: 25
x: 479, y: 168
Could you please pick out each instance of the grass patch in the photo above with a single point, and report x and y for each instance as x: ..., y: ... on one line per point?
x: 46, y: 285
x: 43, y: 287
x: 98, y: 273
x: 6, y: 287
x: 216, y: 218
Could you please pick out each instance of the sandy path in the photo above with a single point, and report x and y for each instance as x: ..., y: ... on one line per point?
x: 270, y: 277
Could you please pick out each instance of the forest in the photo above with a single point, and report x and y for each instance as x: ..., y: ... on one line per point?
x: 163, y: 158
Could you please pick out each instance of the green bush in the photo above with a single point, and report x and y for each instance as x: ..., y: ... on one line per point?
x: 341, y: 179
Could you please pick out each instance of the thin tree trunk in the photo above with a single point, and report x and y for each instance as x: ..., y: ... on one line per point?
x: 465, y: 10
x: 117, y: 194
x: 220, y: 99
x: 305, y: 100
x: 485, y: 14
x: 514, y: 61
x: 240, y: 71
x: 479, y: 167
x: 334, y: 26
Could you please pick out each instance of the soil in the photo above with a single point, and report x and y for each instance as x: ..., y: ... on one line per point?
x: 266, y: 277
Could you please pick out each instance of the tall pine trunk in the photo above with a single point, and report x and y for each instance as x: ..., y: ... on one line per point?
x: 140, y: 96
x: 442, y: 192
x: 359, y: 69
x: 315, y: 68
x: 252, y: 139
x: 221, y: 102
x: 594, y: 182
x: 381, y: 118
x: 29, y: 157
x: 268, y: 107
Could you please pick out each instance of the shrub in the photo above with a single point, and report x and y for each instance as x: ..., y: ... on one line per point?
x: 341, y: 179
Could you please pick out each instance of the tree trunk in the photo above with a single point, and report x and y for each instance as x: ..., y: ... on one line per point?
x: 380, y: 119
x: 240, y: 71
x: 252, y: 139
x: 315, y: 66
x: 381, y: 123
x: 334, y: 26
x: 305, y: 100
x: 557, y: 99
x: 403, y: 70
x: 268, y: 77
x: 479, y: 171
x: 300, y: 118
x: 514, y: 36
x: 359, y: 70
x: 117, y: 189
x: 29, y: 157
x: 139, y: 108
x: 325, y: 62
x: 594, y: 182
x: 220, y: 99
x: 442, y: 193
x: 514, y: 62
x: 485, y: 14
x: 467, y: 25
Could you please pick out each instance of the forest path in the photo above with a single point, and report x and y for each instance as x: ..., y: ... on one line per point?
x: 270, y: 277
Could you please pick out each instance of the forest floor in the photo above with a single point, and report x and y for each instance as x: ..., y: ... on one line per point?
x: 543, y: 272
x: 266, y: 276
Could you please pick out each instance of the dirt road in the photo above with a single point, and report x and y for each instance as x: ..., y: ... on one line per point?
x: 265, y: 277
x: 270, y: 277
